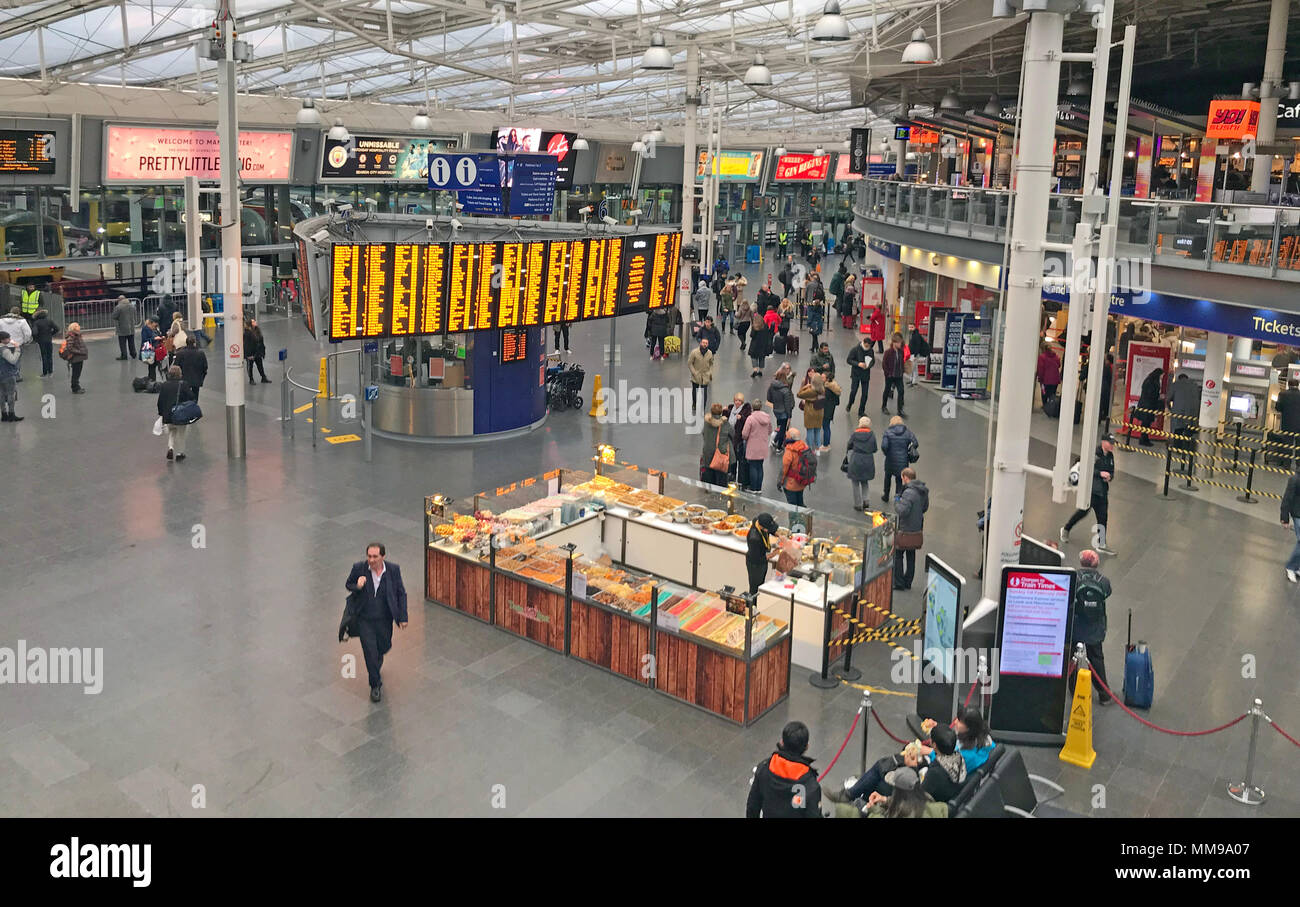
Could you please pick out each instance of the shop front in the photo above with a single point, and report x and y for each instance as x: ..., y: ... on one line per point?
x: 644, y: 575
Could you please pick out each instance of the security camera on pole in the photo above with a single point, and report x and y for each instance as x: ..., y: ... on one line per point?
x: 227, y: 51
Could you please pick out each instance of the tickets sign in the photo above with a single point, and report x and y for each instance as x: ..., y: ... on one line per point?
x: 409, y: 289
x: 155, y: 154
x: 1236, y: 119
x: 802, y: 167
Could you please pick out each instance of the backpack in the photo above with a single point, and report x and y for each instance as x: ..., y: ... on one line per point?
x: 1089, y: 599
x: 804, y: 469
x: 913, y: 451
x: 63, y: 350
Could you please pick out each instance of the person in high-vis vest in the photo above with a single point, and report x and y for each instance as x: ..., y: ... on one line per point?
x: 782, y: 241
x: 31, y: 301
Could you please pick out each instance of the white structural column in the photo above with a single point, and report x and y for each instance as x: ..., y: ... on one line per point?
x: 1216, y: 367
x: 900, y: 147
x: 232, y: 284
x: 1024, y: 294
x: 689, y: 154
x: 1084, y: 235
x: 1269, y: 89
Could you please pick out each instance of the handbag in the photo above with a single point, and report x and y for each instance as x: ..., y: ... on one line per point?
x: 720, y: 461
x: 909, y: 541
x: 186, y: 413
x: 844, y: 467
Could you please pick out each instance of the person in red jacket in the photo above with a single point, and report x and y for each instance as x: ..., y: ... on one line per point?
x: 877, y: 328
x: 1049, y: 372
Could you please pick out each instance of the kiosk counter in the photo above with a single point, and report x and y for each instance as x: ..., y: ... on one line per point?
x: 642, y: 574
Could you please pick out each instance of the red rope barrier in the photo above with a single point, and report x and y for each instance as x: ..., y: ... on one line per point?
x: 970, y: 693
x: 876, y: 715
x: 1156, y: 727
x: 847, y: 737
x: 1283, y: 733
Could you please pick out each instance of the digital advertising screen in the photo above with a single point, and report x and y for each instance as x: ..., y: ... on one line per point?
x: 1033, y: 651
x: 161, y: 154
x: 26, y: 151
x: 377, y: 158
x: 510, y: 140
x: 381, y: 290
x: 938, y: 687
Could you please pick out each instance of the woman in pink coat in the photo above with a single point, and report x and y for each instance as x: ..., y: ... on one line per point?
x: 756, y: 435
x: 878, y: 328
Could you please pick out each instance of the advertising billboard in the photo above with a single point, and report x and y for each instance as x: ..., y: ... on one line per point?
x: 159, y: 154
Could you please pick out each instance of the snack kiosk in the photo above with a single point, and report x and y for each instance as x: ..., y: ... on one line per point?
x: 642, y: 573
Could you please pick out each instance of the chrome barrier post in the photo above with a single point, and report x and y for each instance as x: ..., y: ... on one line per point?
x: 1246, y: 791
x: 865, y: 711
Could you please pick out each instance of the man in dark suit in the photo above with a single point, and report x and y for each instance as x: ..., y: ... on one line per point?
x: 381, y: 599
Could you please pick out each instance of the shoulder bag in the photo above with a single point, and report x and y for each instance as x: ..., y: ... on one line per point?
x: 909, y: 541
x: 720, y: 462
x: 186, y: 413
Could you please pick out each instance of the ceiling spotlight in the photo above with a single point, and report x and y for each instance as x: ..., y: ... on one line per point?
x: 919, y: 51
x: 994, y: 106
x: 779, y: 150
x: 1077, y: 88
x: 819, y: 151
x: 758, y: 73
x: 638, y: 146
x: 308, y: 115
x: 338, y: 132
x: 950, y: 101
x: 657, y: 134
x: 657, y: 55
x: 831, y: 26
x: 580, y: 144
x: 420, y: 122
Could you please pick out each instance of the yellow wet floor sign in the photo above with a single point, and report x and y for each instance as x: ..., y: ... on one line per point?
x: 1078, y: 736
x: 342, y: 439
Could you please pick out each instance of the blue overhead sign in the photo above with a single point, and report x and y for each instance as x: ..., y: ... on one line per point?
x: 877, y: 171
x: 532, y: 191
x: 456, y: 172
x: 1219, y: 317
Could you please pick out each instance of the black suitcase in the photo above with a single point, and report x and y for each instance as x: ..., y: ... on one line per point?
x: 139, y: 385
x: 792, y: 345
x: 1052, y: 407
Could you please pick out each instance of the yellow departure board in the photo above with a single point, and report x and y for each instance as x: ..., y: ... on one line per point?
x: 407, y: 289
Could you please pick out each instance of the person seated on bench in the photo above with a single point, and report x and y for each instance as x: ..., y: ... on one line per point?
x: 908, y: 801
x: 973, y: 740
x: 873, y: 779
x: 942, y: 771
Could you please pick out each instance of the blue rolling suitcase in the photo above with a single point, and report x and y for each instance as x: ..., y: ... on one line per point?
x: 1139, y: 675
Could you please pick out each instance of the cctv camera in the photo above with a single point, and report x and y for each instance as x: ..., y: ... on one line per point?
x: 586, y: 210
x: 320, y: 236
x: 345, y: 209
x: 636, y: 212
x: 609, y: 220
x: 456, y: 224
x: 428, y: 223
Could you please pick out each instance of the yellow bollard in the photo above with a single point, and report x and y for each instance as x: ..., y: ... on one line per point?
x: 322, y: 383
x: 597, y: 400
x: 1078, y: 737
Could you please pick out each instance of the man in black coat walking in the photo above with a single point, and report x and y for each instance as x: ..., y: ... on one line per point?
x: 381, y: 600
x: 193, y: 364
x: 1103, y: 470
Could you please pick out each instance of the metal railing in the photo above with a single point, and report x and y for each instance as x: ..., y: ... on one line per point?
x: 1255, y: 240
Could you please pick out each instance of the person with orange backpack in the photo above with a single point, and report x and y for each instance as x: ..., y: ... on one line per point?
x: 798, y: 468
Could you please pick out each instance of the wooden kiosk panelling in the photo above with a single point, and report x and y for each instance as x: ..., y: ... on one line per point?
x: 769, y: 678
x: 701, y: 676
x: 530, y: 611
x: 458, y: 583
x: 615, y: 642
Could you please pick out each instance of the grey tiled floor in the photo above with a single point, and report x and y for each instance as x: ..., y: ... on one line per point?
x: 222, y: 669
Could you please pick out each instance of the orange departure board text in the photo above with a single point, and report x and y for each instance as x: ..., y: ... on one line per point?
x: 460, y: 287
x: 514, y: 345
x: 408, y: 289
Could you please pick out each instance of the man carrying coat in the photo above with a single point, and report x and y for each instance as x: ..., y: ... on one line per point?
x: 380, y: 599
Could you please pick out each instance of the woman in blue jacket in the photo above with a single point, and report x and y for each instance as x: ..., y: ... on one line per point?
x: 149, y: 339
x: 973, y: 740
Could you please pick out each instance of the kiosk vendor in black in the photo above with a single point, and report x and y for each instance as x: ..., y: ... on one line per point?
x: 760, y: 551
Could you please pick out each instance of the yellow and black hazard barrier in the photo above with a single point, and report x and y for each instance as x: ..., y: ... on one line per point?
x: 846, y: 671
